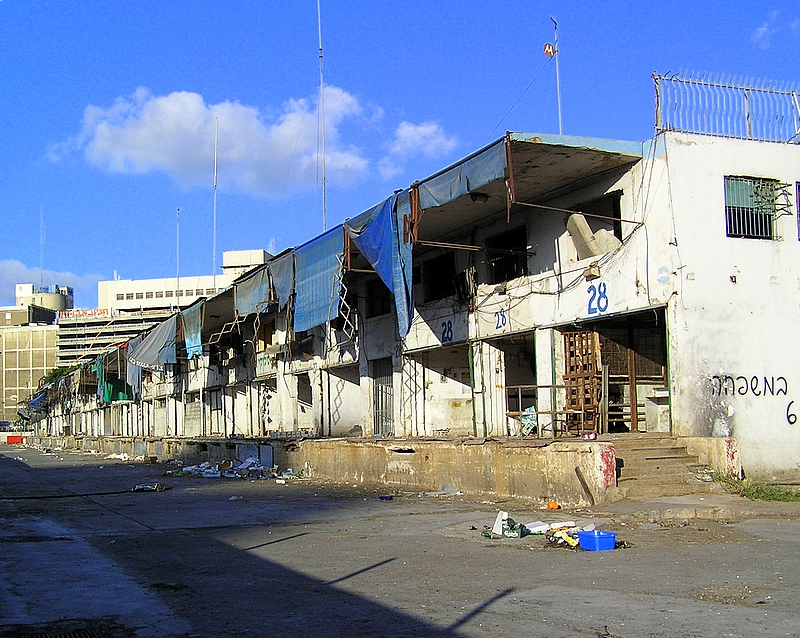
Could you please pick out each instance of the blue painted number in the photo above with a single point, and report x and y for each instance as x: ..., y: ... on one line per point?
x: 598, y: 299
x: 447, y: 331
x: 500, y: 319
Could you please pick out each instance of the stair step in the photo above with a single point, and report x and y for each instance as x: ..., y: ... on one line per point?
x: 628, y: 441
x: 654, y: 452
x: 653, y: 465
x: 659, y: 479
x: 676, y: 489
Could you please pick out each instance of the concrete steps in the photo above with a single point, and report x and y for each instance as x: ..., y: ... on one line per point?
x: 657, y: 465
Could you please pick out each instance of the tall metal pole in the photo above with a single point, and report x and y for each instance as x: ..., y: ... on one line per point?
x: 177, y: 256
x: 558, y: 77
x: 41, y: 246
x: 322, y: 121
x: 216, y: 141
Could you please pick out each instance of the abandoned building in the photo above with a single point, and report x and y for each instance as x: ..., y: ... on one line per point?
x: 543, y: 287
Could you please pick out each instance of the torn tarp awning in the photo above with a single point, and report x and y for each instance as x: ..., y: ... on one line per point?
x: 252, y: 294
x: 318, y: 266
x: 158, y: 347
x: 378, y: 233
x: 465, y: 177
x: 192, y: 319
x: 281, y: 271
x: 133, y: 373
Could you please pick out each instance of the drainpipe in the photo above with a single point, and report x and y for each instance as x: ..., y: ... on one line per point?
x: 483, y: 391
x: 553, y: 390
x: 472, y: 389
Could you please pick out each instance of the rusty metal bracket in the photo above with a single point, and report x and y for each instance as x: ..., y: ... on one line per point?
x: 511, y: 195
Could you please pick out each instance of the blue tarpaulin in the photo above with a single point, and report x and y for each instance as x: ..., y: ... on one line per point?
x: 480, y: 169
x: 192, y: 323
x: 158, y: 347
x: 252, y: 294
x: 281, y: 270
x: 378, y: 233
x: 318, y: 279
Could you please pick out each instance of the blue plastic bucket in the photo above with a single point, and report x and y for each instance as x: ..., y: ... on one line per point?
x: 597, y: 540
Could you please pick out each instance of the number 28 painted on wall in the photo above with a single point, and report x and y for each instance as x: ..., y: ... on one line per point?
x: 598, y: 299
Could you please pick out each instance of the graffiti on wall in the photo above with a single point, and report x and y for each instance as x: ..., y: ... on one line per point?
x: 755, y: 385
x: 724, y: 385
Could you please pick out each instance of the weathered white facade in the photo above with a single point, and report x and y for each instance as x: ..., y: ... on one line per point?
x: 590, y: 285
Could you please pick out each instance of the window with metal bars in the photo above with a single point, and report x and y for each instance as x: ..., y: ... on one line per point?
x: 750, y: 207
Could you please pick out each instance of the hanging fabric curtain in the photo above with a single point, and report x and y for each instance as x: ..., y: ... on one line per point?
x: 318, y: 279
x: 99, y: 368
x: 468, y: 175
x: 281, y: 271
x: 378, y: 233
x: 157, y: 348
x: 133, y: 373
x: 252, y: 294
x: 192, y: 319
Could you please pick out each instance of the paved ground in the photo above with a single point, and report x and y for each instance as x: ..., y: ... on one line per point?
x: 225, y: 557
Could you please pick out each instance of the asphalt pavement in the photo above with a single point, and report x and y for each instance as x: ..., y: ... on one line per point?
x: 83, y: 552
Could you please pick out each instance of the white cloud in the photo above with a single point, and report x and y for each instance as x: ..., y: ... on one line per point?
x: 426, y: 140
x: 762, y: 36
x: 175, y: 133
x: 14, y: 272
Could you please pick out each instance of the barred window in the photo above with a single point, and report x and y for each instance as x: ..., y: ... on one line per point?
x: 750, y: 207
x: 120, y: 296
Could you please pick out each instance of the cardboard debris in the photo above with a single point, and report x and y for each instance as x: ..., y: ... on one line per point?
x: 562, y: 533
x: 249, y: 468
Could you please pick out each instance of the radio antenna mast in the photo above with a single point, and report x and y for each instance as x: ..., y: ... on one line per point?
x: 216, y: 141
x: 558, y: 76
x: 322, y: 122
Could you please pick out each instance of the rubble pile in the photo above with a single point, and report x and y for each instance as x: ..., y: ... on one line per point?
x: 250, y: 468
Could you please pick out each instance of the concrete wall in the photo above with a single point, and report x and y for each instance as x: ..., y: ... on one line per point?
x: 486, y: 468
x: 733, y: 336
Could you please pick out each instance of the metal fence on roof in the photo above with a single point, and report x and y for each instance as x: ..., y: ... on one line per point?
x: 728, y: 107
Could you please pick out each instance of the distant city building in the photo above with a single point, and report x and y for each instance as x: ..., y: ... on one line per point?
x: 172, y: 292
x: 84, y: 334
x: 54, y: 297
x: 27, y: 353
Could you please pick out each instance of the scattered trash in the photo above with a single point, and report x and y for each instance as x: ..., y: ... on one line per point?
x: 553, y: 505
x: 447, y: 490
x: 537, y: 527
x: 150, y: 487
x: 386, y: 497
x: 236, y: 498
x: 250, y: 468
x: 589, y: 436
x: 507, y: 527
x: 280, y: 481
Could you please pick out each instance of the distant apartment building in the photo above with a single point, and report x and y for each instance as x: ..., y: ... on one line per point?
x: 84, y: 334
x: 174, y: 292
x: 54, y: 297
x: 27, y: 353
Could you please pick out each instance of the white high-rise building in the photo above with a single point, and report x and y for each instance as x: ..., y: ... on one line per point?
x: 172, y: 292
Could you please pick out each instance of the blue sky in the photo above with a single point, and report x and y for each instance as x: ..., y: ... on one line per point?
x: 107, y: 110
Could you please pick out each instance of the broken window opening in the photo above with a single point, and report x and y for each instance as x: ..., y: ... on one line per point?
x: 379, y: 299
x: 608, y: 207
x: 437, y: 276
x: 506, y: 255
